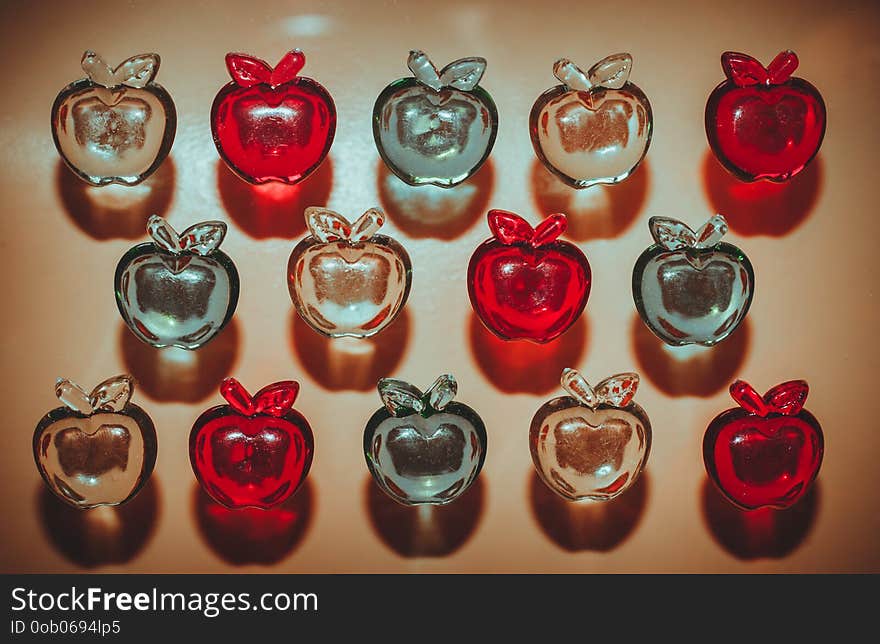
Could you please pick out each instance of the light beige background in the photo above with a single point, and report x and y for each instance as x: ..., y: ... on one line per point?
x: 813, y: 245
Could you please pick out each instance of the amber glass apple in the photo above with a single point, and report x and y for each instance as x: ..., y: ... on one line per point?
x: 98, y: 448
x: 437, y: 126
x: 422, y: 447
x: 594, y: 443
x: 346, y: 280
x: 690, y: 287
x: 116, y: 125
x: 595, y: 127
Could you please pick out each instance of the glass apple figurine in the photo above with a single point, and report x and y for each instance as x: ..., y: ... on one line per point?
x: 346, y: 280
x: 763, y: 123
x: 436, y: 127
x: 595, y: 127
x: 594, y: 443
x: 180, y: 289
x: 255, y: 451
x: 98, y: 448
x: 767, y: 451
x: 690, y: 287
x: 271, y: 124
x: 116, y: 125
x: 424, y: 448
x: 526, y: 284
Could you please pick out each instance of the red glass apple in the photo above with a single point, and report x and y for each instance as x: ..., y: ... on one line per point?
x: 524, y: 283
x: 256, y: 451
x: 762, y: 123
x: 270, y: 124
x: 766, y: 452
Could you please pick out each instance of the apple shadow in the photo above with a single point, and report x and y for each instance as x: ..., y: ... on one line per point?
x: 762, y: 207
x: 763, y: 533
x: 520, y: 366
x: 115, y: 211
x: 173, y: 374
x: 425, y: 530
x: 598, y: 212
x: 354, y: 364
x: 432, y: 211
x: 576, y: 526
x: 253, y: 535
x: 690, y: 370
x: 273, y: 209
x: 103, y: 535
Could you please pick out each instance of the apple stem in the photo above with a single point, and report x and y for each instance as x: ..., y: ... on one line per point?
x: 202, y: 238
x: 463, y: 74
x: 673, y: 234
x: 111, y: 395
x: 403, y: 399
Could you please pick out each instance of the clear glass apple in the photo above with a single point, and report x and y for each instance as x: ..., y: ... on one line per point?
x: 436, y: 127
x: 346, y: 280
x: 116, y: 125
x: 690, y: 287
x: 424, y: 448
x: 97, y: 448
x: 594, y: 443
x: 595, y: 127
x: 180, y: 289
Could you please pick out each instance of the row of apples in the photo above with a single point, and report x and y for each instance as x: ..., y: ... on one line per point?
x: 438, y: 127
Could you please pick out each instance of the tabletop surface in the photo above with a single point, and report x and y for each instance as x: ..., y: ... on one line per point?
x: 814, y: 315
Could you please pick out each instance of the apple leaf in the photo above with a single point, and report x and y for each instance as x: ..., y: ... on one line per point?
x: 611, y: 72
x: 672, y: 234
x: 113, y: 394
x: 782, y: 67
x: 742, y: 69
x: 400, y: 397
x: 276, y: 399
x: 366, y: 225
x: 618, y: 390
x: 237, y: 396
x: 248, y: 71
x: 463, y: 74
x: 326, y: 225
x: 747, y: 398
x: 423, y: 69
x: 73, y: 396
x: 549, y: 230
x: 578, y: 388
x: 97, y: 70
x: 509, y: 228
x: 711, y: 232
x: 163, y: 234
x: 788, y: 398
x: 203, y: 238
x: 287, y: 68
x: 441, y: 392
x: 571, y: 75
x: 137, y: 71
